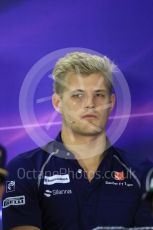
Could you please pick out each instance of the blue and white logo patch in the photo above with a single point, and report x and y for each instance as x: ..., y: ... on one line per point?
x: 10, y: 186
x: 56, y: 179
x: 14, y: 201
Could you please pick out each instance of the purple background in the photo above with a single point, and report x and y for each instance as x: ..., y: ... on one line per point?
x: 122, y: 30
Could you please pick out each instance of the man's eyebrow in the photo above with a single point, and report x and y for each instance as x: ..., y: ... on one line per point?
x: 78, y: 90
x: 96, y: 90
x: 100, y: 90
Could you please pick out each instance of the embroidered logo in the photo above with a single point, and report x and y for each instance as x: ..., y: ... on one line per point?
x: 16, y: 200
x: 60, y: 179
x: 56, y: 192
x: 10, y: 186
x: 119, y: 175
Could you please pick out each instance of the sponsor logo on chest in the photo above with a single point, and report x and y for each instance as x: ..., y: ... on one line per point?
x: 56, y: 179
x: 57, y: 192
x: 119, y: 179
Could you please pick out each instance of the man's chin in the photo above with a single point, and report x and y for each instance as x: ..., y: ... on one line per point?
x: 92, y: 129
x: 90, y: 132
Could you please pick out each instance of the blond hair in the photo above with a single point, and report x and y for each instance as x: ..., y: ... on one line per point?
x: 83, y: 64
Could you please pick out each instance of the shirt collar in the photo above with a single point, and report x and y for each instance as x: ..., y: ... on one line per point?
x: 64, y: 153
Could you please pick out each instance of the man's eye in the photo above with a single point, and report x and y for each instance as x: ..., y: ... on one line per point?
x: 77, y: 95
x: 100, y: 95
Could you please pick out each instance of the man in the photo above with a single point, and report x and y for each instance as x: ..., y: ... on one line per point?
x: 79, y: 181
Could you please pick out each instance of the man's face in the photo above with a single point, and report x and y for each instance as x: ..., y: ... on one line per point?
x: 85, y: 104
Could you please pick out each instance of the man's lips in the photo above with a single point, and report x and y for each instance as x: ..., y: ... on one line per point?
x: 89, y: 116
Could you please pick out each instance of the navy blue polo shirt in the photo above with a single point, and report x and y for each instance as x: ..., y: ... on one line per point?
x: 48, y: 189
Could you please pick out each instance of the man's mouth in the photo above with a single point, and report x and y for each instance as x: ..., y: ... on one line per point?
x: 89, y: 116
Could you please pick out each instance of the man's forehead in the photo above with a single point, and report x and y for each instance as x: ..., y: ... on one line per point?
x: 82, y: 89
x: 94, y: 81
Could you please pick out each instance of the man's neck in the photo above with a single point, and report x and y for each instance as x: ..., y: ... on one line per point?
x: 88, y: 150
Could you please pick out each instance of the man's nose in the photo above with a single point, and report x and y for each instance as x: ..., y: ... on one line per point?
x: 89, y: 101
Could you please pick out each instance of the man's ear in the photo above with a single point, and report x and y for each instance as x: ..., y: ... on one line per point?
x: 112, y: 101
x: 56, y: 101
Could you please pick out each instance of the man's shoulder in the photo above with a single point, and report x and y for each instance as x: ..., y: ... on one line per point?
x: 140, y: 168
x: 32, y: 158
x: 122, y: 156
x: 131, y: 161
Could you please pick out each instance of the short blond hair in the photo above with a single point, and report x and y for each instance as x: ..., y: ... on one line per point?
x: 84, y: 64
